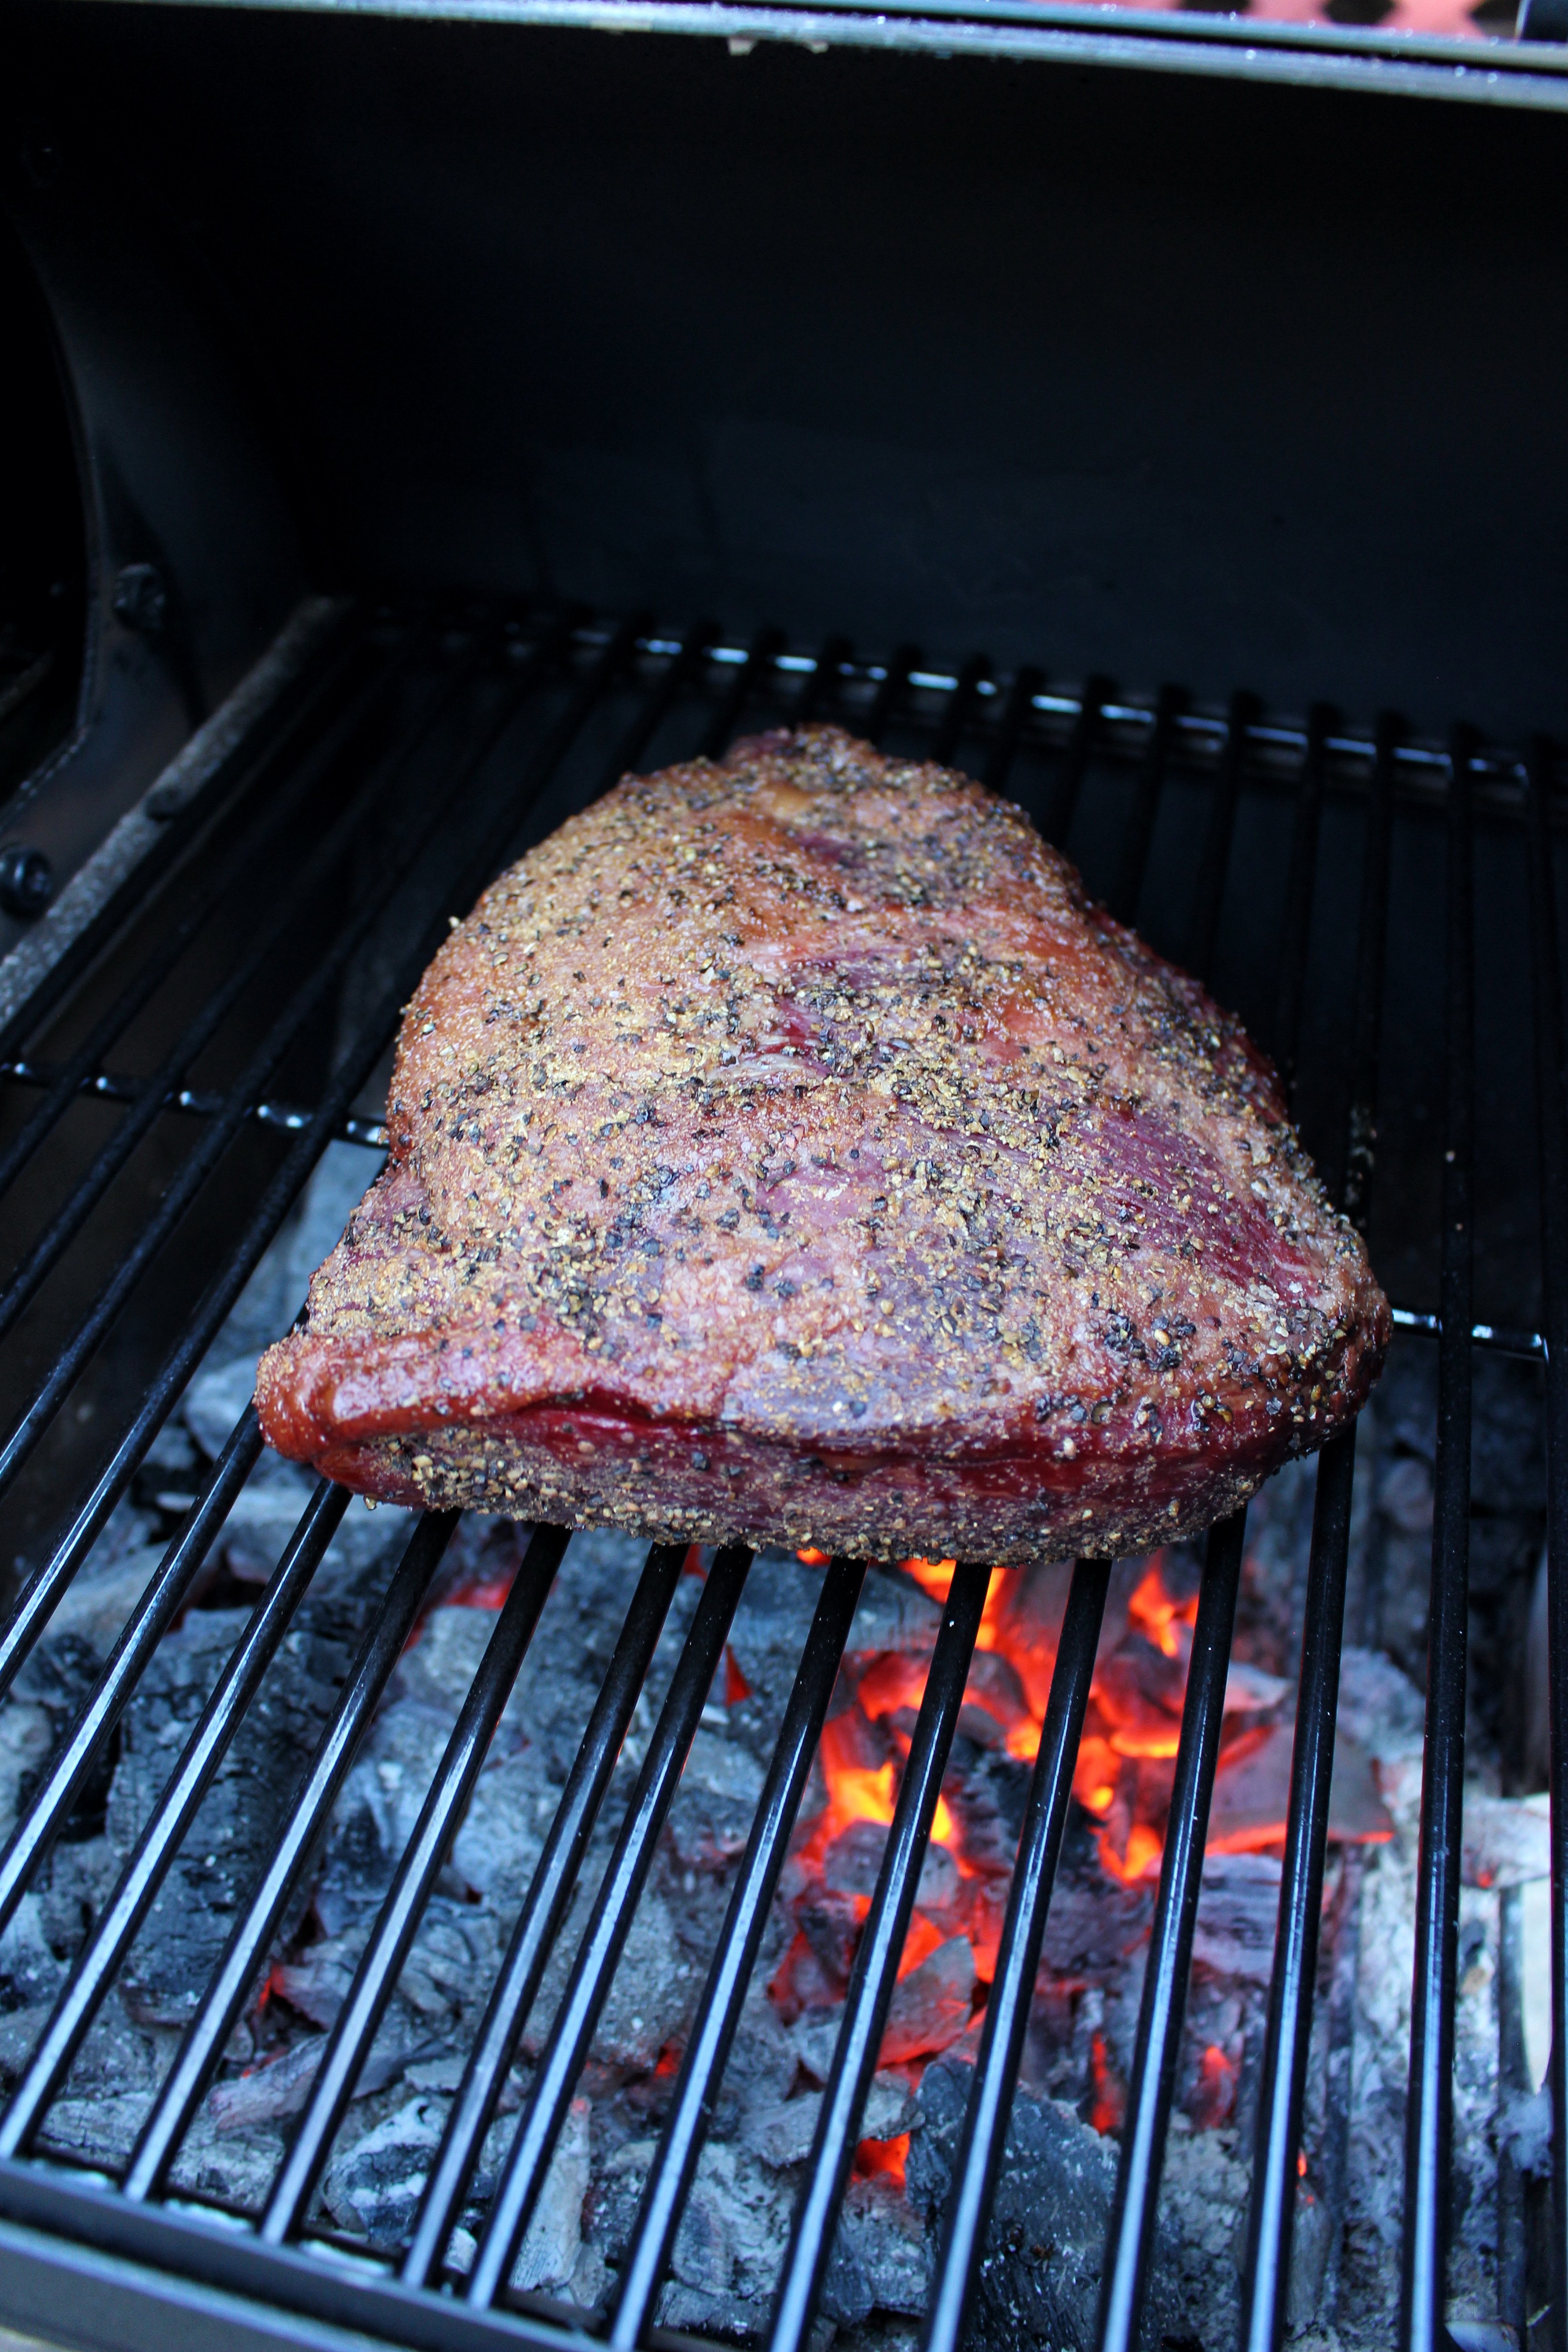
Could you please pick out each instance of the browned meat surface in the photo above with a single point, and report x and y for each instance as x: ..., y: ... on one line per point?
x: 788, y: 1151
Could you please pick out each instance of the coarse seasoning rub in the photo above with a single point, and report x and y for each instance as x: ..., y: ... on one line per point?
x: 787, y: 1152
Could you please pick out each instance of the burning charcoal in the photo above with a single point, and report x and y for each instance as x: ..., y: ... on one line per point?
x: 1507, y: 1841
x: 894, y: 1613
x: 226, y: 1850
x: 815, y: 2040
x: 1201, y: 2233
x: 782, y: 2135
x: 1030, y: 1606
x: 1140, y: 1689
x: 650, y: 2000
x: 1380, y: 1708
x: 881, y: 2260
x: 830, y: 1921
x: 495, y: 1851
x: 317, y: 1983
x: 988, y: 1791
x: 726, y: 2268
x: 30, y: 1975
x: 855, y: 1742
x: 766, y: 1639
x: 1093, y: 1925
x: 98, y: 1602
x: 806, y: 1981
x: 268, y: 2093
x: 711, y: 1819
x: 372, y: 2187
x: 1252, y: 1788
x: 548, y: 2255
x: 931, y: 2007
x: 852, y: 1862
x: 995, y: 1689
x: 1040, y: 2281
x: 452, y: 1959
x: 1249, y: 1691
x: 26, y: 1742
x: 58, y: 1678
x: 237, y: 2167
x: 1238, y: 1914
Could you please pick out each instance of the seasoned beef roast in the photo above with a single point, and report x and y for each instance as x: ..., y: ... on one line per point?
x: 788, y: 1150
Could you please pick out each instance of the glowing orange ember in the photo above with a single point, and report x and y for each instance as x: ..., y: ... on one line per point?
x: 1153, y: 1611
x: 932, y: 1576
x: 736, y: 1686
x: 809, y: 1557
x: 884, y: 2157
x: 1216, y: 2098
x: 1109, y: 2105
x: 1122, y: 1780
x: 480, y: 1593
x: 1139, y: 1858
x: 920, y: 1942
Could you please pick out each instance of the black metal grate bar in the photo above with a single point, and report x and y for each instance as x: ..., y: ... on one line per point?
x: 144, y: 1628
x: 233, y: 778
x: 1282, y: 2086
x: 381, y: 1963
x: 1158, y: 2047
x: 1272, y: 2207
x: 248, y: 1948
x: 539, y: 2126
x: 677, y: 675
x: 1429, y: 2101
x: 1204, y: 932
x: 759, y: 661
x: 194, y: 1102
x: 198, y: 1166
x: 819, y: 687
x: 539, y: 1922
x: 1551, y: 1072
x: 959, y: 710
x: 691, y: 2111
x: 44, y: 1589
x: 1372, y: 956
x: 1138, y: 836
x: 172, y: 1816
x: 282, y: 810
x: 1303, y: 872
x: 155, y: 1092
x: 1056, y: 820
x: 979, y: 2158
x: 1063, y: 731
x: 892, y: 689
x: 1016, y: 711
x: 875, y: 1963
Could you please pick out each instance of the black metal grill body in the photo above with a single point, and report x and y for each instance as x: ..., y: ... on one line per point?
x: 1008, y: 349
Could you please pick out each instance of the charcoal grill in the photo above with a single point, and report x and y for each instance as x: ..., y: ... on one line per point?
x: 520, y: 718
x: 211, y: 1002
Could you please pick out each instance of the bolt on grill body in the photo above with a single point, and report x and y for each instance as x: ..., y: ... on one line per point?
x: 412, y: 761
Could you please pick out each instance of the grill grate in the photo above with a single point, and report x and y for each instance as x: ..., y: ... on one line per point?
x: 169, y: 1098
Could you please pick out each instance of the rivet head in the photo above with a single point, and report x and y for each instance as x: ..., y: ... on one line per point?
x: 26, y: 881
x: 140, y: 599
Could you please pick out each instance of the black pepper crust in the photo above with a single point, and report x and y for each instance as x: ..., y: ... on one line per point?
x: 788, y: 1151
